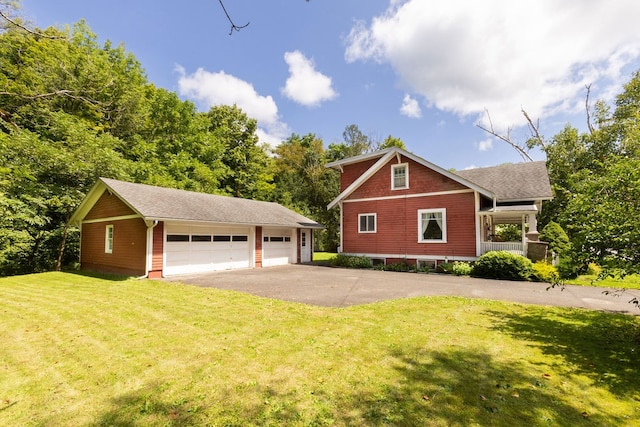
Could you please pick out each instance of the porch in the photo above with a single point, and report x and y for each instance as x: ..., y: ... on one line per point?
x: 522, y: 215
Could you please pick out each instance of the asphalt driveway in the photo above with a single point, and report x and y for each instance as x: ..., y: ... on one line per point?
x: 337, y: 287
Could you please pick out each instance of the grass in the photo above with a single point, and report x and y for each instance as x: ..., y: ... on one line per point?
x: 80, y: 350
x: 631, y: 281
x: 323, y: 256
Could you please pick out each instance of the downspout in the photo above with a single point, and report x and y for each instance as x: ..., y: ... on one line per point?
x: 149, y: 248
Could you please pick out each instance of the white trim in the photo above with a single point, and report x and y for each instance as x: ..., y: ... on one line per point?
x: 341, y: 228
x: 409, y: 196
x: 375, y: 223
x: 415, y: 256
x: 406, y: 176
x: 108, y: 239
x: 111, y: 218
x: 478, y: 224
x: 443, y: 226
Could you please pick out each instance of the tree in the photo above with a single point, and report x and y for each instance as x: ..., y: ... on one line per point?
x: 391, y: 141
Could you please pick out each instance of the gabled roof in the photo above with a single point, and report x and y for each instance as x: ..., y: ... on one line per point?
x: 168, y: 204
x: 384, y: 156
x: 505, y: 183
x: 513, y: 182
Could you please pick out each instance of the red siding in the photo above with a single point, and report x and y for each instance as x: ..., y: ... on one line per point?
x: 397, y: 226
x: 352, y: 172
x: 157, y: 251
x: 421, y: 180
x: 258, y: 247
x: 108, y: 206
x: 129, y: 247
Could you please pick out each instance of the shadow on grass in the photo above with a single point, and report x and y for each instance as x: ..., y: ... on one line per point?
x: 601, y: 346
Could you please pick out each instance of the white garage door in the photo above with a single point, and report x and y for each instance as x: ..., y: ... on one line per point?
x: 193, y: 249
x: 278, y: 247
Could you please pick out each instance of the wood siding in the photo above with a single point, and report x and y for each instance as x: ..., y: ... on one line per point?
x: 157, y: 252
x: 108, y: 206
x: 258, y: 247
x: 352, y: 172
x: 421, y: 180
x: 397, y: 217
x: 129, y: 247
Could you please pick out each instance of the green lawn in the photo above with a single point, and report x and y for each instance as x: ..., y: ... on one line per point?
x: 631, y: 281
x: 323, y: 256
x: 82, y: 351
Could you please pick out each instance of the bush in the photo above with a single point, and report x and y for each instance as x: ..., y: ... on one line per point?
x: 568, y: 269
x: 594, y: 269
x: 462, y: 268
x: 544, y: 272
x: 351, y: 261
x: 397, y: 266
x: 445, y: 267
x: 556, y: 237
x: 503, y: 265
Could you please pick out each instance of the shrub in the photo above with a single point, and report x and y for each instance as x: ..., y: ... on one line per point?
x: 445, y: 267
x: 594, y: 269
x: 462, y: 268
x: 544, y: 272
x: 397, y: 266
x: 568, y: 269
x: 503, y: 265
x: 351, y: 261
x: 556, y: 237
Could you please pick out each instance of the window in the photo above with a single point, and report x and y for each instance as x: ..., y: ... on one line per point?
x: 303, y: 238
x: 277, y: 239
x: 200, y: 238
x: 108, y: 239
x: 432, y: 225
x: 400, y: 176
x: 221, y: 238
x: 177, y: 237
x: 367, y: 223
x: 238, y: 238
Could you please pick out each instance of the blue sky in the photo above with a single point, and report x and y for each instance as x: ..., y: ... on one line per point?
x: 423, y: 71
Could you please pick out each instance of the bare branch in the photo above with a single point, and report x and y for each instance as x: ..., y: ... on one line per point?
x: 506, y: 138
x: 587, y: 107
x: 234, y: 27
x: 534, y: 129
x: 28, y: 30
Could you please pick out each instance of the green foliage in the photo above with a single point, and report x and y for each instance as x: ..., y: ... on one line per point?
x: 593, y: 269
x: 556, y: 237
x: 350, y: 261
x: 508, y: 233
x: 445, y: 267
x: 402, y: 266
x: 392, y: 141
x: 503, y: 265
x: 461, y: 268
x: 545, y: 272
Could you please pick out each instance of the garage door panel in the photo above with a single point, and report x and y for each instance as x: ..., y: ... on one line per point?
x: 277, y: 247
x: 206, y: 249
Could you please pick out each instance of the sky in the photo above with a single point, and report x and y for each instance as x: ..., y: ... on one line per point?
x: 425, y: 71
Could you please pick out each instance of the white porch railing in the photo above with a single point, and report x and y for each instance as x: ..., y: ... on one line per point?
x: 513, y: 247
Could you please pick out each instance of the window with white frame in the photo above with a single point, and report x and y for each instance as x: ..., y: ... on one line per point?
x: 400, y: 176
x: 108, y: 239
x: 367, y: 223
x: 432, y: 226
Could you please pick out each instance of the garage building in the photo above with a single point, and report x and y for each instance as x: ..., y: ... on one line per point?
x: 144, y: 230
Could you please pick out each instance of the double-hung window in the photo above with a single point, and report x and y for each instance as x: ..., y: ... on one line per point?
x: 108, y: 239
x: 432, y: 226
x: 367, y: 223
x: 400, y: 176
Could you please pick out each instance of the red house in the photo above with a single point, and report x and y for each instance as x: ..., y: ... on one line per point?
x: 143, y: 230
x: 397, y: 206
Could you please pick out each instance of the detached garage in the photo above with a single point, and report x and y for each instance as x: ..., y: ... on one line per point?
x: 143, y: 230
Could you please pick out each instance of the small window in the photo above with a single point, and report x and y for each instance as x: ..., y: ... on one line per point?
x: 200, y: 238
x: 287, y: 239
x: 400, y: 176
x: 177, y: 237
x: 108, y: 239
x: 367, y: 223
x: 221, y: 238
x: 277, y: 239
x: 240, y: 238
x: 432, y: 226
x: 265, y: 239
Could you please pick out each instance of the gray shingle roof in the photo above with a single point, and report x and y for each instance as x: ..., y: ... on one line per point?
x: 513, y: 182
x: 170, y: 204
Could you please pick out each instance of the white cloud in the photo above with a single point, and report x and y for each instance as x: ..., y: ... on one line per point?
x: 305, y: 85
x: 485, y: 145
x: 220, y: 88
x: 501, y: 55
x: 410, y: 107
